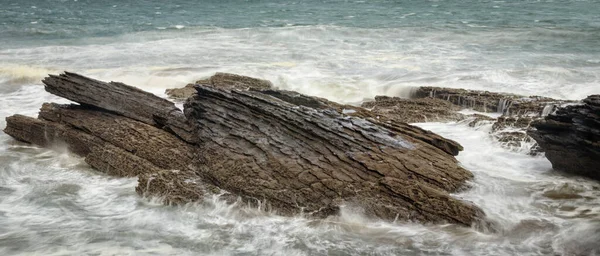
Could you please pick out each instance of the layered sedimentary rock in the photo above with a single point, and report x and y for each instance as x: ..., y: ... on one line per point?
x: 570, y: 137
x: 484, y: 101
x: 121, y: 99
x: 111, y: 143
x: 221, y: 80
x: 510, y: 129
x: 389, y: 119
x: 299, y: 156
x: 414, y: 110
x: 289, y: 152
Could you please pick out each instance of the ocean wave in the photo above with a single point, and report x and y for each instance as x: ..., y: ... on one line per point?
x: 12, y: 77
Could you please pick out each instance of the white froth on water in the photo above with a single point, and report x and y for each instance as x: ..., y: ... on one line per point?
x: 51, y: 203
x: 342, y: 64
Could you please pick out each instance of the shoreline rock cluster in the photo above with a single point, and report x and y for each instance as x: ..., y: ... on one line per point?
x: 293, y: 153
x: 242, y: 139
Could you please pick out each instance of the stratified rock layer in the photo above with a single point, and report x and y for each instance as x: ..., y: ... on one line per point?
x: 221, y: 80
x: 570, y: 137
x: 290, y: 152
x: 484, y: 101
x: 414, y: 110
x: 300, y: 157
x: 517, y: 112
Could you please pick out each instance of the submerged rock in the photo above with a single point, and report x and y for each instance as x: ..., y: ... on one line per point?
x: 290, y: 152
x: 479, y: 119
x: 570, y: 137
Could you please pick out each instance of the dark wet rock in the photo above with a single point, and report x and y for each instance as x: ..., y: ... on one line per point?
x: 233, y: 81
x: 570, y: 137
x: 511, y: 131
x: 221, y: 80
x: 392, y: 113
x: 482, y: 101
x: 414, y: 110
x: 516, y: 122
x: 391, y: 121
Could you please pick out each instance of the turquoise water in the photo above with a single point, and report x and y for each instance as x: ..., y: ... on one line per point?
x: 76, y: 19
x: 337, y: 48
x: 51, y: 203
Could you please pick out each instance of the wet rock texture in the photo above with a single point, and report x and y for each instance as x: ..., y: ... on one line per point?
x: 220, y: 80
x: 518, y: 112
x: 570, y: 137
x: 290, y: 152
x: 414, y: 110
x: 484, y: 101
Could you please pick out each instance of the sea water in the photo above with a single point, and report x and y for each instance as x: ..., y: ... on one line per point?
x: 52, y: 203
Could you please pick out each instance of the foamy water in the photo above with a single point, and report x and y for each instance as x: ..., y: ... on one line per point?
x: 52, y: 203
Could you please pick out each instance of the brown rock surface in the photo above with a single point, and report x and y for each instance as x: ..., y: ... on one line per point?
x: 221, y: 80
x: 414, y: 110
x: 517, y: 111
x: 291, y: 152
x: 484, y: 101
x: 390, y: 121
x: 113, y: 144
x: 121, y: 99
x: 303, y: 159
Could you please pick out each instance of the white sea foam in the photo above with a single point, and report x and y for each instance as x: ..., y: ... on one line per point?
x: 342, y: 64
x: 51, y: 203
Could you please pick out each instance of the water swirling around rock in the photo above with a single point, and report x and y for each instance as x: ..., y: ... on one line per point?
x: 53, y: 204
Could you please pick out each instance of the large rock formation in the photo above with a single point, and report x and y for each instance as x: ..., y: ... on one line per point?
x: 570, y: 137
x: 285, y: 151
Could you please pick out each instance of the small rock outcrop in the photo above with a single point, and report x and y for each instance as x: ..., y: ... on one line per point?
x: 285, y: 151
x: 570, y: 137
x: 221, y: 80
x: 517, y: 112
x: 484, y: 101
x: 414, y: 110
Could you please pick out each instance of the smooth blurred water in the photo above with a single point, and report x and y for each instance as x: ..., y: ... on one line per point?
x: 346, y: 51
